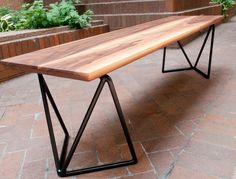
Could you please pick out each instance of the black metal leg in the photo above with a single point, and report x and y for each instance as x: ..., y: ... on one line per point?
x: 194, y: 67
x: 63, y: 162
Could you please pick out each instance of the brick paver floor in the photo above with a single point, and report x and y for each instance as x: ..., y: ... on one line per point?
x: 183, y: 126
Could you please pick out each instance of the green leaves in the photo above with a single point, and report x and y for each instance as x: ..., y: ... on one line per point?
x: 60, y: 13
x: 6, y: 24
x: 226, y: 4
x: 64, y: 13
x: 75, y: 20
x: 34, y: 16
x: 4, y: 11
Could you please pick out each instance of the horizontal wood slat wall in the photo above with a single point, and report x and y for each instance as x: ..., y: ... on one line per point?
x: 181, y: 5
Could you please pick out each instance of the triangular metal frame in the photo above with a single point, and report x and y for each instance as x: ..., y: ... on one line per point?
x: 63, y: 162
x: 194, y: 67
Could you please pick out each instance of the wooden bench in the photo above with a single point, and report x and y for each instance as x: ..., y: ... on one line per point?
x: 95, y: 57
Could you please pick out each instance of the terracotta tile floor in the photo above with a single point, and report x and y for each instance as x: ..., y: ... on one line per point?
x: 182, y: 125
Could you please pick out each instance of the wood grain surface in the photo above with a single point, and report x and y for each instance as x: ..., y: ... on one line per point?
x: 96, y: 56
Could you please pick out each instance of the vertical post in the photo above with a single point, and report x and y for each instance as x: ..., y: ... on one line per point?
x: 122, y: 118
x: 203, y: 46
x: 164, y: 60
x: 211, y: 50
x: 49, y: 122
x: 84, y: 123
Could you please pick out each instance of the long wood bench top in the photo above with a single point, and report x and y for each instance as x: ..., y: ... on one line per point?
x: 96, y: 56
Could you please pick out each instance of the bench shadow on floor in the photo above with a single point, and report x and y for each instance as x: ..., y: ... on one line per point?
x: 162, y: 118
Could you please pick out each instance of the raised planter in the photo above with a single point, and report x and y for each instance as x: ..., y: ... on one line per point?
x: 231, y: 12
x: 18, y: 43
x: 119, y: 14
x: 16, y: 4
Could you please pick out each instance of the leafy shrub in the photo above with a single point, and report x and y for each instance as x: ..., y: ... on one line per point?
x: 6, y: 23
x: 34, y: 16
x: 59, y: 13
x: 64, y: 13
x: 4, y: 11
x: 82, y: 21
x: 226, y: 4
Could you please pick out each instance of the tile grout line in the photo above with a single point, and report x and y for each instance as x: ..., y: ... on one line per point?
x: 12, y: 152
x: 167, y: 150
x: 3, y: 114
x: 154, y: 169
x: 4, y: 151
x: 158, y: 137
x: 22, y: 166
x: 119, y: 177
x: 215, y: 144
x: 180, y: 131
x: 234, y: 173
x: 168, y: 173
x: 126, y: 167
x: 175, y: 160
x: 46, y: 169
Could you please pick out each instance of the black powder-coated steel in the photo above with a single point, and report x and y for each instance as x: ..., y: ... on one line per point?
x: 194, y: 67
x: 63, y: 162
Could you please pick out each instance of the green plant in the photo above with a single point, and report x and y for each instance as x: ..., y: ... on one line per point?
x: 75, y: 21
x: 64, y: 13
x: 4, y: 11
x: 31, y: 16
x: 34, y: 16
x: 226, y: 4
x: 6, y: 23
x: 59, y: 13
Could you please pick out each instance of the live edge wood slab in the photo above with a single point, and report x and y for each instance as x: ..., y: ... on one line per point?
x: 96, y: 56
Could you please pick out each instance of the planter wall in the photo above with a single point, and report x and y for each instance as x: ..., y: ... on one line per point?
x: 181, y: 5
x: 119, y: 13
x: 231, y: 12
x: 47, y: 2
x: 27, y: 42
x: 16, y: 4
